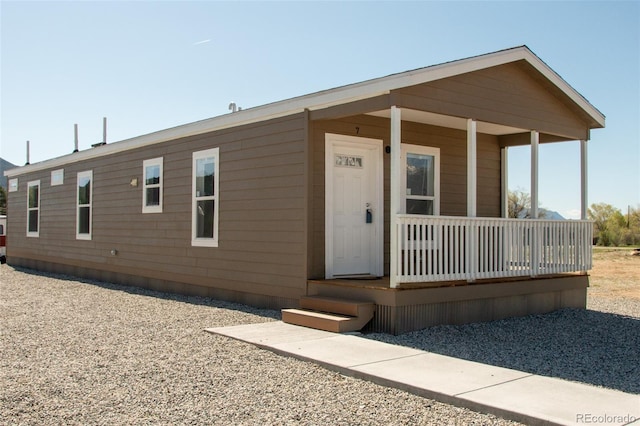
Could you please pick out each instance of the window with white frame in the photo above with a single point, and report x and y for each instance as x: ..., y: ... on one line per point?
x: 421, y: 180
x: 33, y: 209
x: 83, y: 203
x: 205, y: 198
x: 57, y: 177
x: 152, y: 185
x: 13, y: 185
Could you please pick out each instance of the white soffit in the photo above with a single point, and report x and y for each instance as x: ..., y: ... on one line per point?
x: 450, y: 122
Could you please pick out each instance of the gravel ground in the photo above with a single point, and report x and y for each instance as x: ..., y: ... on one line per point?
x: 77, y: 352
x: 598, y: 346
x: 615, y: 305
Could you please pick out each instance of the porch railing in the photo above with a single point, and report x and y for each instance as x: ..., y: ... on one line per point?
x: 461, y: 248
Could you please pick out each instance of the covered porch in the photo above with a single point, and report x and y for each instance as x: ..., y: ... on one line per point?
x: 446, y: 269
x: 425, y: 248
x: 430, y: 224
x: 408, y: 238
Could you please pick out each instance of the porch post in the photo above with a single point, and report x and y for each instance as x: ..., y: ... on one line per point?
x: 535, y: 137
x: 534, y: 243
x: 396, y: 122
x: 504, y: 180
x: 472, y: 180
x: 583, y: 180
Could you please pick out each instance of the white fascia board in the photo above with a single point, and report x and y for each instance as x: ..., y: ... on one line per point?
x: 450, y: 69
x: 323, y: 99
x: 566, y: 88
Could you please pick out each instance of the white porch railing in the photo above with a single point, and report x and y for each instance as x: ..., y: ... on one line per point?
x: 436, y: 248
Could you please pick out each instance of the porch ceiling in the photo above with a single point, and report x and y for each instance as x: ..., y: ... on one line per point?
x: 451, y: 122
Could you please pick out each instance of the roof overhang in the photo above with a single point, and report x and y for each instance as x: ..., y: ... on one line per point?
x: 334, y: 97
x: 449, y: 121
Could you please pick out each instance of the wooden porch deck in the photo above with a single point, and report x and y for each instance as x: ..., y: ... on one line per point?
x: 413, y: 306
x: 383, y: 283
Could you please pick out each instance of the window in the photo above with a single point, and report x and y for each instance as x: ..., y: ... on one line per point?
x: 421, y: 180
x: 83, y: 214
x: 204, y: 224
x: 13, y: 185
x: 152, y: 186
x: 57, y: 177
x: 33, y: 209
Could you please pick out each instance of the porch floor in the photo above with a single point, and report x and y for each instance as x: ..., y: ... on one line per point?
x: 418, y: 305
x: 383, y: 283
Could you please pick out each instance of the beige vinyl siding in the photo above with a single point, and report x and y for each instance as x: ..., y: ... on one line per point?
x: 505, y: 94
x: 261, y: 225
x: 453, y: 172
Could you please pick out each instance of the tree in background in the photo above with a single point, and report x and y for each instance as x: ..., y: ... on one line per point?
x: 611, y: 228
x: 519, y: 205
x: 631, y: 236
x: 3, y: 201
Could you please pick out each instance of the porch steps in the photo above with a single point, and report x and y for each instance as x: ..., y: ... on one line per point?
x: 330, y: 314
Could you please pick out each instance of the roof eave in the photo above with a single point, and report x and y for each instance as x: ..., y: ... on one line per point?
x: 328, y: 98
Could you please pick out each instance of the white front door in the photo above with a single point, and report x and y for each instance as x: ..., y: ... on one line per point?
x: 354, y: 208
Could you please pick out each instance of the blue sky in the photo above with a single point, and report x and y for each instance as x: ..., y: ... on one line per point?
x: 148, y: 66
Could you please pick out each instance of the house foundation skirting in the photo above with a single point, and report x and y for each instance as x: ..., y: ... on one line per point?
x: 256, y: 300
x: 403, y: 310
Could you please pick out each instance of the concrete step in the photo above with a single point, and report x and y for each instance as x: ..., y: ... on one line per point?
x: 330, y: 314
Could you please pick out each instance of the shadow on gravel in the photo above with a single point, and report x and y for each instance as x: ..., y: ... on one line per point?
x: 585, y: 346
x: 195, y: 300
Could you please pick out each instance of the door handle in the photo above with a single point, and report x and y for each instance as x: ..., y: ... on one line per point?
x: 369, y: 216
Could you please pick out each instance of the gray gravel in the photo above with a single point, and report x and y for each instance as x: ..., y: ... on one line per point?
x: 77, y: 352
x: 618, y: 305
x: 598, y: 346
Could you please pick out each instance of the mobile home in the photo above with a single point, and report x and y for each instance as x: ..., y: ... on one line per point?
x: 390, y: 191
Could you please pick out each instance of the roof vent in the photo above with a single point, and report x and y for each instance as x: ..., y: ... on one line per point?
x: 104, y: 134
x: 75, y: 138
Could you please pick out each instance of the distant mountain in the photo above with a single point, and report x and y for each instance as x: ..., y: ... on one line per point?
x: 4, y: 165
x: 551, y: 215
x: 543, y: 214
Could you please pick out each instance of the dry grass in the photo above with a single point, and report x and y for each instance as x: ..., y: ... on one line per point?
x: 615, y: 273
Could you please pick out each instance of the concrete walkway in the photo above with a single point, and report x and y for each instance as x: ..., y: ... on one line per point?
x: 510, y: 394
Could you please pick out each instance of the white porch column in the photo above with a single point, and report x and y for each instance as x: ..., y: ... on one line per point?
x: 584, y: 204
x: 535, y: 138
x: 472, y: 178
x: 504, y: 180
x: 396, y: 169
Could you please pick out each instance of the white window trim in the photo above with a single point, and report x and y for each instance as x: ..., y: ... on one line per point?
x: 146, y: 163
x: 81, y: 175
x: 13, y: 185
x: 420, y: 150
x: 29, y: 209
x: 57, y: 177
x: 205, y: 242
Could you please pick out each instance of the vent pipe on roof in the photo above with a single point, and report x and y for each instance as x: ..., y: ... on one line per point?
x: 233, y: 107
x: 104, y: 134
x: 75, y: 138
x: 27, y: 163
